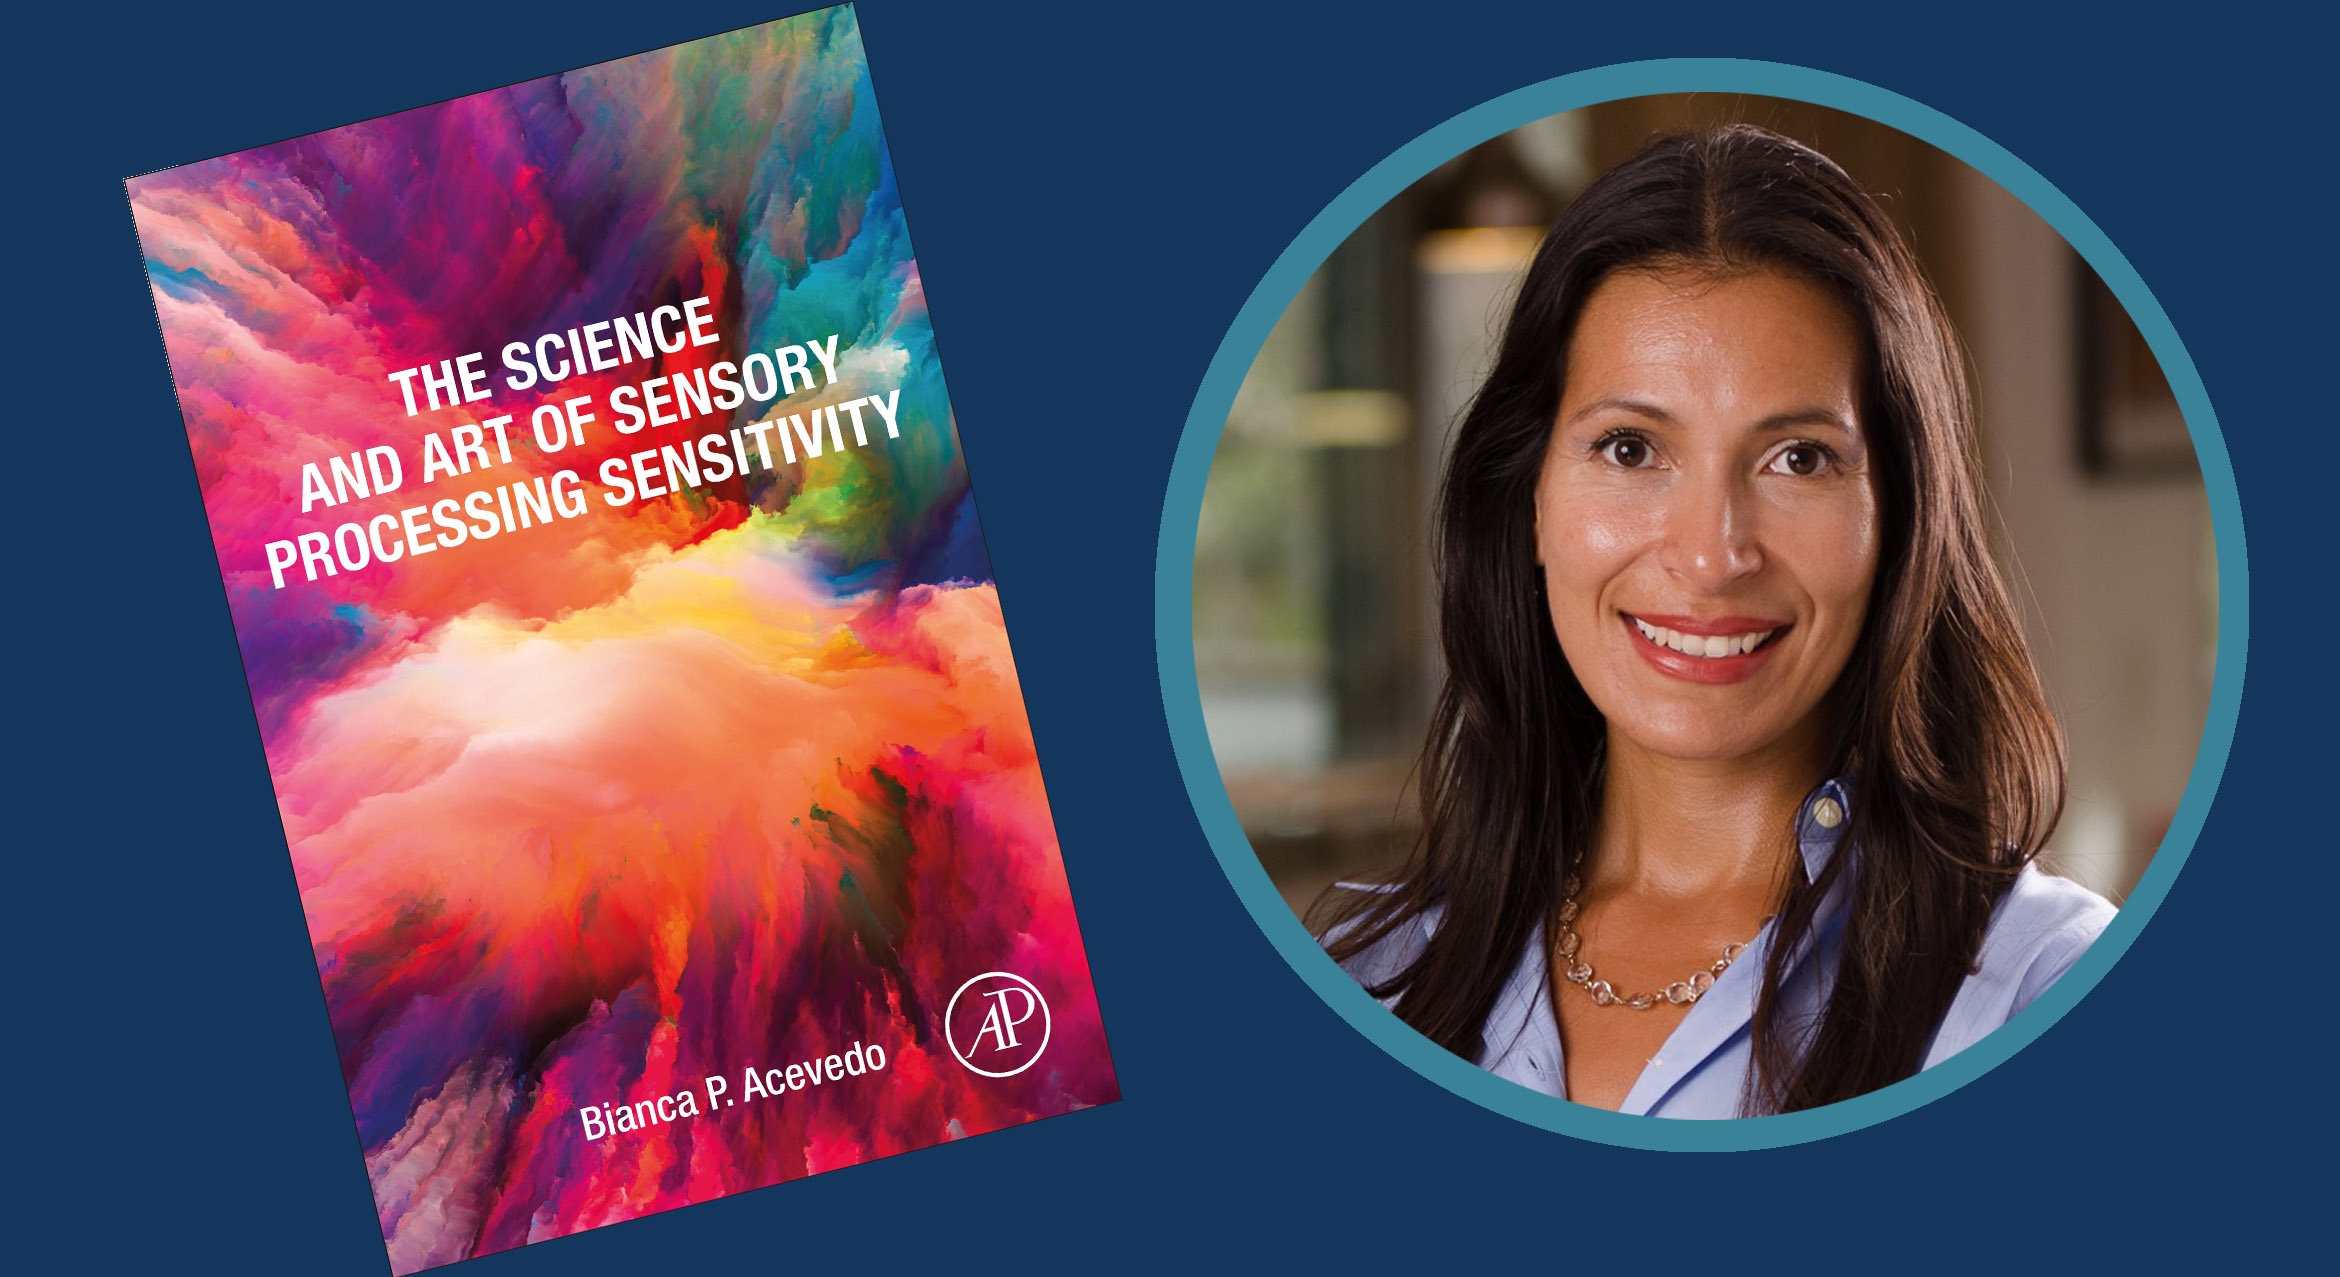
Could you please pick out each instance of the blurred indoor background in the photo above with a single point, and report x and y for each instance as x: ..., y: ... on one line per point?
x: 1313, y: 607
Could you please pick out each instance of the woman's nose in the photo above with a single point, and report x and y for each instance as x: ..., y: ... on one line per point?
x: 1710, y: 535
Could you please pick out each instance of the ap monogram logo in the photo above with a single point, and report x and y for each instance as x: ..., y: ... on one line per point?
x: 997, y: 1024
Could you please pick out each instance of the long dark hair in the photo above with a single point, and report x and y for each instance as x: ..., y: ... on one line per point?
x: 1939, y: 711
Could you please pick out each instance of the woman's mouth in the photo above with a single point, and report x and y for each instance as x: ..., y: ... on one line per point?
x: 1724, y: 650
x: 1704, y: 646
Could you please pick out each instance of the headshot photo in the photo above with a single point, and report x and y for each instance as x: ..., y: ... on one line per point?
x: 1705, y: 606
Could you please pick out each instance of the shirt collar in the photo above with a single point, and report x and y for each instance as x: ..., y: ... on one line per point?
x: 1821, y: 824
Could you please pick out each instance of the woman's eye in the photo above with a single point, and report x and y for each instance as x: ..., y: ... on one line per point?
x: 1801, y: 459
x: 1625, y: 450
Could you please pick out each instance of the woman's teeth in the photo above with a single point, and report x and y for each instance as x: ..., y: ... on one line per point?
x: 1702, y: 645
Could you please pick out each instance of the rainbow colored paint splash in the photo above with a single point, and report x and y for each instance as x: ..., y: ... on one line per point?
x: 729, y: 778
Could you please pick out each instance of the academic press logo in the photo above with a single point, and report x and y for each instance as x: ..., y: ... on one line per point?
x: 997, y: 1024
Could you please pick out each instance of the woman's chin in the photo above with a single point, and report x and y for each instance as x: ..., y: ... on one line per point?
x: 1711, y: 734
x: 1687, y: 748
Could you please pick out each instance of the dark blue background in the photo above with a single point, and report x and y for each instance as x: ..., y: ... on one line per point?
x: 1092, y: 195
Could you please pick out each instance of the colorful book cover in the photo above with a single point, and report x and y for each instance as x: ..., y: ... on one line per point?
x: 592, y: 517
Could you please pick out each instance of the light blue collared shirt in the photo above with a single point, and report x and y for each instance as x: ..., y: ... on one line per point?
x: 2041, y: 927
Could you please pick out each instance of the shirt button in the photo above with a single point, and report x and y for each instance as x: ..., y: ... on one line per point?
x: 1828, y: 813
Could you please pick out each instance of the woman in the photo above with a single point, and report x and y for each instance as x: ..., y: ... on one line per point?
x: 1733, y: 790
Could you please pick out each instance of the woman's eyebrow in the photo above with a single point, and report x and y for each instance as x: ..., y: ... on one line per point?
x: 1638, y: 407
x: 1814, y: 415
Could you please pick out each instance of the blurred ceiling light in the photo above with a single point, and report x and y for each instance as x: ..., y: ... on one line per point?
x: 1479, y: 250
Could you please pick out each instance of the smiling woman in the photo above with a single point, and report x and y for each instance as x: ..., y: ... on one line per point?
x: 1733, y: 788
x: 1708, y: 448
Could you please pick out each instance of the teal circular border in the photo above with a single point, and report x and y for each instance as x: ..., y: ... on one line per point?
x: 1182, y: 508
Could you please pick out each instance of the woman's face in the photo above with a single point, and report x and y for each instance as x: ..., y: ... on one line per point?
x: 1705, y: 519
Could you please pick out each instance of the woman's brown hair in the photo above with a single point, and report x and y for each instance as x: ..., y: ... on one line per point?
x: 1938, y: 712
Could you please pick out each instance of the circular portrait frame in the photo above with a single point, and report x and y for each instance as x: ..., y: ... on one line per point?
x: 1182, y: 507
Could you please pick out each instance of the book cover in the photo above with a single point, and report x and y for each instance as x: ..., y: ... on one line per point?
x: 624, y: 648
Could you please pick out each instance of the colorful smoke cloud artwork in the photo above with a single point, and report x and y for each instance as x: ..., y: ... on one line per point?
x: 622, y: 638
